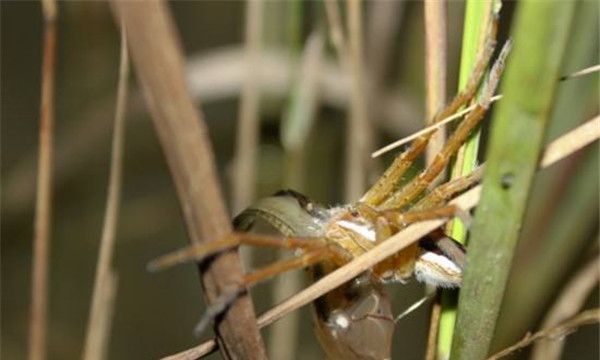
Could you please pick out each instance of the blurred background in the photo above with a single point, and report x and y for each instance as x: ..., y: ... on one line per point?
x: 299, y: 95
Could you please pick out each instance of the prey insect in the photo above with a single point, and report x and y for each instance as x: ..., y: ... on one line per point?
x: 355, y: 321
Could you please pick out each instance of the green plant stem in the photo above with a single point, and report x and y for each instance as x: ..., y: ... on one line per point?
x: 563, y: 206
x: 477, y: 13
x: 540, y: 32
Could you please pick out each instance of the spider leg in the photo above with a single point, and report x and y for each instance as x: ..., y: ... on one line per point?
x: 417, y: 185
x: 388, y: 181
x: 444, y: 192
x: 228, y: 297
x: 199, y: 252
x: 402, y: 219
x: 307, y: 259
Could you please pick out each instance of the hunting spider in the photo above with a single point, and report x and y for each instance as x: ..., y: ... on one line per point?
x: 327, y: 238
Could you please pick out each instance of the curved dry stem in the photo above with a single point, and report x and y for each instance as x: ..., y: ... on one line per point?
x: 560, y: 331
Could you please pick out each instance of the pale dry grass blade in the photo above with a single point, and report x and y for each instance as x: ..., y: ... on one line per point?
x: 568, y: 304
x: 359, y: 132
x: 43, y: 203
x: 396, y: 144
x: 435, y: 76
x: 582, y: 135
x: 248, y: 136
x: 349, y: 54
x: 560, y: 331
x: 435, y: 70
x: 96, y: 346
x: 583, y: 72
x: 98, y: 327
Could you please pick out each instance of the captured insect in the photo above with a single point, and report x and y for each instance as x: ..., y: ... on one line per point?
x: 355, y: 321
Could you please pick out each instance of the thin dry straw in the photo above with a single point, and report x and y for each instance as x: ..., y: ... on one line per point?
x: 571, y: 300
x: 428, y: 129
x: 587, y: 317
x: 349, y: 54
x: 586, y: 71
x: 105, y: 283
x: 458, y: 115
x: 566, y: 144
x: 249, y: 119
x: 43, y: 211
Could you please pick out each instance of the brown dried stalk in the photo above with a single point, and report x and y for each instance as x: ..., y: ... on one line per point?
x: 435, y: 73
x: 568, y: 144
x: 43, y: 212
x: 435, y: 69
x: 248, y: 118
x: 561, y: 330
x: 569, y: 303
x: 349, y: 54
x: 105, y: 283
x: 359, y: 130
x: 158, y: 60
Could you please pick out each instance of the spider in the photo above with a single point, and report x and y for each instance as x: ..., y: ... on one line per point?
x: 327, y: 238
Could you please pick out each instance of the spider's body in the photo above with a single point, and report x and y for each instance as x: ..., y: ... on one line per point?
x: 352, y: 317
x: 354, y: 321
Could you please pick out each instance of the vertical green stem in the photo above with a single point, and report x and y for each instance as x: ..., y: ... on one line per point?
x: 518, y: 128
x: 566, y: 209
x: 477, y: 14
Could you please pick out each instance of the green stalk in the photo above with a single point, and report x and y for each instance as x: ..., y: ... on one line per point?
x: 540, y: 31
x: 557, y: 228
x: 477, y: 14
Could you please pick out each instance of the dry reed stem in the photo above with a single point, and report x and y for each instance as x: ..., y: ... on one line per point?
x: 101, y: 309
x: 43, y: 211
x: 435, y: 70
x: 359, y: 132
x: 435, y: 127
x: 98, y: 346
x: 384, y: 21
x: 569, y: 303
x: 336, y: 32
x: 159, y: 64
x: 248, y: 135
x: 586, y: 71
x: 349, y: 55
x: 582, y: 135
x: 432, y: 335
x: 558, y: 332
x: 576, y: 139
x: 435, y: 75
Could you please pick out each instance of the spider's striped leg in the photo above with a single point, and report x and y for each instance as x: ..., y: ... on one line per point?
x: 228, y: 297
x: 389, y: 180
x: 416, y: 186
x: 402, y: 219
x: 199, y: 252
x: 306, y: 259
x: 442, y: 193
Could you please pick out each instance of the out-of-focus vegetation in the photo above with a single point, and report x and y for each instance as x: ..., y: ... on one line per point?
x: 155, y: 313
